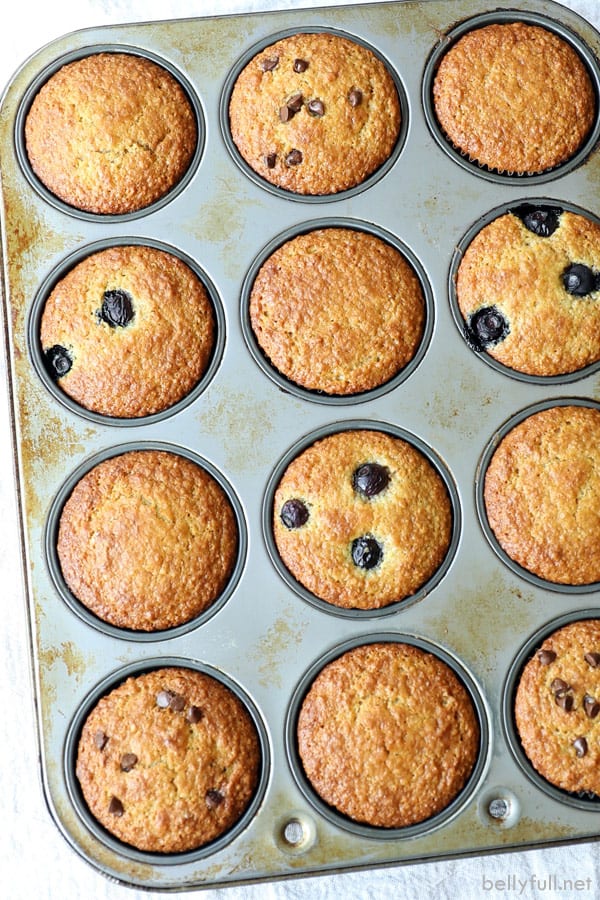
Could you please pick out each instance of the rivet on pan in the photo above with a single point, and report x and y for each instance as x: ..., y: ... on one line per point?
x: 293, y: 833
x: 499, y: 808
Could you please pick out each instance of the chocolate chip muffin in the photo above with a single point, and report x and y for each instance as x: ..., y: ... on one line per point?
x: 315, y: 113
x: 557, y: 704
x: 388, y: 735
x: 168, y: 761
x: 128, y: 332
x: 110, y: 133
x: 514, y: 97
x: 362, y: 519
x: 147, y: 540
x: 542, y: 494
x: 337, y: 310
x: 528, y: 288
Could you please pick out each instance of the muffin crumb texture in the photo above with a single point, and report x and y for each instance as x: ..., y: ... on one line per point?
x: 388, y: 735
x: 169, y: 760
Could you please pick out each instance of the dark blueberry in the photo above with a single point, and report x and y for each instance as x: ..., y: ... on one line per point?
x: 486, y: 328
x: 580, y: 280
x: 541, y: 220
x: 117, y: 308
x: 58, y: 361
x: 366, y: 552
x: 294, y: 513
x: 370, y: 479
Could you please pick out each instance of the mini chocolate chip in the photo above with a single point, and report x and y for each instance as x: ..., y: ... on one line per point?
x: 270, y: 160
x: 58, y: 361
x: 117, y: 309
x: 115, y: 807
x: 592, y: 659
x: 100, y: 740
x: 355, y: 97
x: 128, y: 761
x: 541, y: 220
x: 177, y: 702
x: 295, y: 102
x: 580, y: 280
x: 294, y: 513
x: 316, y: 107
x: 285, y: 113
x: 591, y: 706
x: 486, y: 328
x: 546, y: 657
x: 300, y: 65
x: 194, y: 714
x: 213, y: 799
x: 370, y: 479
x: 581, y: 746
x: 294, y: 158
x: 267, y: 64
x: 163, y: 699
x: 366, y: 552
x: 559, y: 686
x: 565, y: 701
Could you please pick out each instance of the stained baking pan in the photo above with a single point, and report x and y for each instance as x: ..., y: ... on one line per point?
x: 267, y: 638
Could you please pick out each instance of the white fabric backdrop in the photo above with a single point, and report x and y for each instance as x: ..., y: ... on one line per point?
x: 35, y: 861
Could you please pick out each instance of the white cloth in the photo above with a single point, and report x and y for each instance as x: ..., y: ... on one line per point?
x: 35, y: 860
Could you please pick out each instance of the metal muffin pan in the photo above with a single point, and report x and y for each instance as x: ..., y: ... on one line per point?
x: 266, y: 637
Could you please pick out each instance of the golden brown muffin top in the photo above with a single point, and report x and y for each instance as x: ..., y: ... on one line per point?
x: 542, y: 290
x: 147, y: 540
x: 514, y: 97
x: 388, y: 735
x: 315, y: 113
x: 111, y: 133
x: 362, y: 519
x: 133, y: 326
x: 557, y: 705
x: 542, y: 494
x: 169, y: 760
x: 337, y: 310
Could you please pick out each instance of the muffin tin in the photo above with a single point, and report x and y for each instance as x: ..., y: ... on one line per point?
x: 266, y: 639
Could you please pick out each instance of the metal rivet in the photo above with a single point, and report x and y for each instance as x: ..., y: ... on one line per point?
x: 499, y: 808
x: 293, y: 832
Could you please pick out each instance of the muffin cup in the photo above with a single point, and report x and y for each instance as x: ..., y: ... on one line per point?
x: 504, y: 17
x: 54, y: 567
x: 456, y: 260
x: 578, y: 800
x: 267, y: 518
x: 110, y: 682
x: 37, y: 309
x: 275, y: 189
x: 455, y: 807
x: 48, y: 72
x: 314, y: 396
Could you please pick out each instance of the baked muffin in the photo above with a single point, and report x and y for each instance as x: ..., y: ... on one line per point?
x: 110, y: 133
x: 557, y: 704
x: 337, y: 310
x: 128, y: 332
x: 147, y: 540
x: 514, y: 97
x: 542, y: 494
x: 168, y: 761
x: 315, y: 113
x: 528, y: 287
x: 388, y: 735
x: 362, y: 519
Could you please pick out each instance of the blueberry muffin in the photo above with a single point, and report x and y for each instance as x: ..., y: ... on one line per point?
x: 542, y: 494
x: 557, y: 704
x: 528, y: 288
x: 337, y: 310
x: 147, y: 540
x: 388, y: 735
x: 362, y: 519
x: 514, y: 97
x: 110, y: 133
x: 128, y: 332
x: 315, y: 113
x: 168, y: 761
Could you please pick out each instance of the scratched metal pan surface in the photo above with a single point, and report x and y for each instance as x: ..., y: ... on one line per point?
x: 267, y: 639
